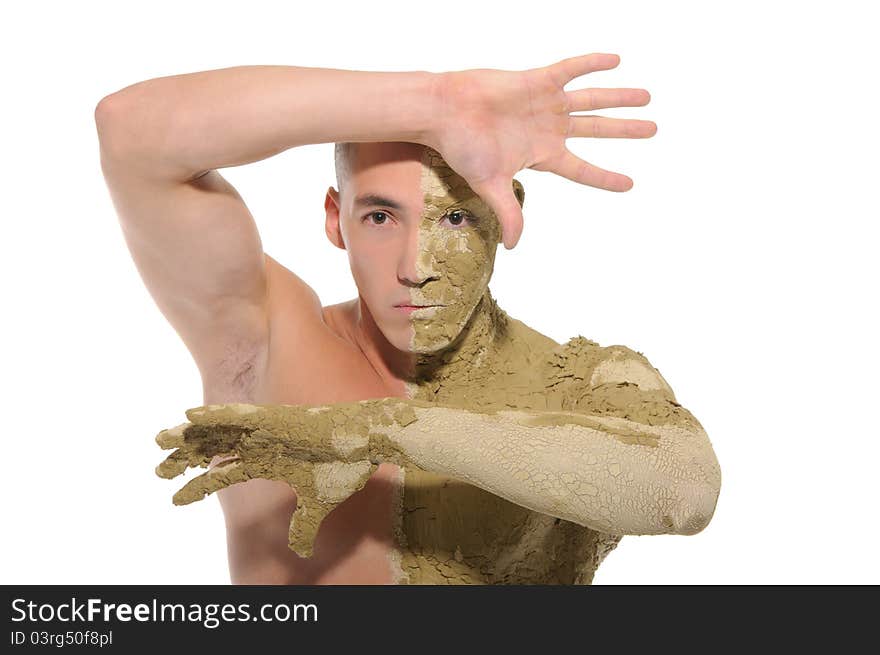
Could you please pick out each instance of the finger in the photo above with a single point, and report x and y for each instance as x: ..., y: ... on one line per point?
x: 562, y: 72
x: 591, y: 99
x: 217, y: 478
x: 193, y: 454
x: 304, y: 524
x: 499, y: 195
x: 172, y: 437
x: 196, y: 445
x: 603, y: 128
x: 314, y: 504
x: 574, y: 168
x: 175, y: 464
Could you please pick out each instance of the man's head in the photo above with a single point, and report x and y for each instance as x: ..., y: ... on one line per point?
x: 416, y: 234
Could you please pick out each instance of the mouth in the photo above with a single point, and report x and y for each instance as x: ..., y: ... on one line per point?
x: 409, y: 309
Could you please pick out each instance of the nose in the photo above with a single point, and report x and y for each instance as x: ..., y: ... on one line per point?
x: 415, y: 267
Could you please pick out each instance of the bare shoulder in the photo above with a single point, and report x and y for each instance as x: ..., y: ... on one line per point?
x: 311, y: 356
x: 289, y: 293
x: 299, y: 325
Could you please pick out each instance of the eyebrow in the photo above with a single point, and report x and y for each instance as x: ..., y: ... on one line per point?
x: 374, y: 200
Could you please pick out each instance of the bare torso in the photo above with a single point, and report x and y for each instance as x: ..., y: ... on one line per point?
x: 405, y: 526
x: 354, y: 541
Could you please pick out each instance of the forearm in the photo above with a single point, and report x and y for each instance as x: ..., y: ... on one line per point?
x: 610, y: 474
x: 184, y: 124
x: 607, y: 473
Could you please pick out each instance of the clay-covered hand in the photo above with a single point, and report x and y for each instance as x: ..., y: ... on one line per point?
x: 493, y: 123
x: 322, y: 452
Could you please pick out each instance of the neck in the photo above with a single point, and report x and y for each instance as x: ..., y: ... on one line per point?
x: 474, y: 347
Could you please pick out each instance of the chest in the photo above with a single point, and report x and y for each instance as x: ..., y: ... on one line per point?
x: 427, y: 528
x: 320, y: 367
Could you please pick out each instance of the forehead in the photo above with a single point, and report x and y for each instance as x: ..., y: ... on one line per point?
x: 412, y: 174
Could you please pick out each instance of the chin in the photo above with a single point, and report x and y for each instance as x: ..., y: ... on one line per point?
x: 408, y: 344
x: 430, y: 349
x: 425, y: 345
x: 399, y: 341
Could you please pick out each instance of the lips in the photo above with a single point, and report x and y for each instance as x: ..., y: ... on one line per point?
x: 416, y: 306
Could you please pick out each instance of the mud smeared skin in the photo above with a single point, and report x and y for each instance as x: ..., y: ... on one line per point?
x: 521, y: 460
x: 324, y: 453
x: 622, y: 461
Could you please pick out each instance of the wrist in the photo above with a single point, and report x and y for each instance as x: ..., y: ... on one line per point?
x: 421, y: 97
x: 387, y: 417
x: 435, y: 110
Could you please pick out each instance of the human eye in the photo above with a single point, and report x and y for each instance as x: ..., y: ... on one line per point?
x: 382, y: 218
x: 458, y: 218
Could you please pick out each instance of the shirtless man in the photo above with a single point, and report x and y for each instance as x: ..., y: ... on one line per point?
x: 450, y: 444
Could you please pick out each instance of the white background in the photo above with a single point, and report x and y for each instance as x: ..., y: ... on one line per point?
x: 742, y: 263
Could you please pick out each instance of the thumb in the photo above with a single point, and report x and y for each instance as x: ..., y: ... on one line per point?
x: 499, y: 195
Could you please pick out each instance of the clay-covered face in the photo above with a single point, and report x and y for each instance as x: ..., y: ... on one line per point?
x: 458, y: 239
x: 436, y: 246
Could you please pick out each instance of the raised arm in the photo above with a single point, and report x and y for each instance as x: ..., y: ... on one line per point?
x: 192, y: 238
x: 196, y: 244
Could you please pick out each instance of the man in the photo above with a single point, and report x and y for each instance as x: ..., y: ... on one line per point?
x: 420, y: 433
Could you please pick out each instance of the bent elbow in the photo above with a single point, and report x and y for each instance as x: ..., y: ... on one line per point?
x: 696, y: 507
x: 698, y: 495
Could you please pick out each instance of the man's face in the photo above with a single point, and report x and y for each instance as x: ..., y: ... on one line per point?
x: 424, y: 238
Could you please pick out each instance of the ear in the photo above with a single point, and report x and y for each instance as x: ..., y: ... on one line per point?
x: 331, y: 220
x: 519, y: 191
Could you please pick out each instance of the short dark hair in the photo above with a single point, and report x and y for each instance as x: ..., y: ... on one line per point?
x: 342, y: 155
x: 344, y: 151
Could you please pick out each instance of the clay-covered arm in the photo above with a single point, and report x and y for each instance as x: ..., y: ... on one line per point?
x: 609, y: 447
x: 607, y: 473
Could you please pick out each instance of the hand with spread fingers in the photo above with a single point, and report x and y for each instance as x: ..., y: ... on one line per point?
x: 495, y: 123
x: 325, y: 453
